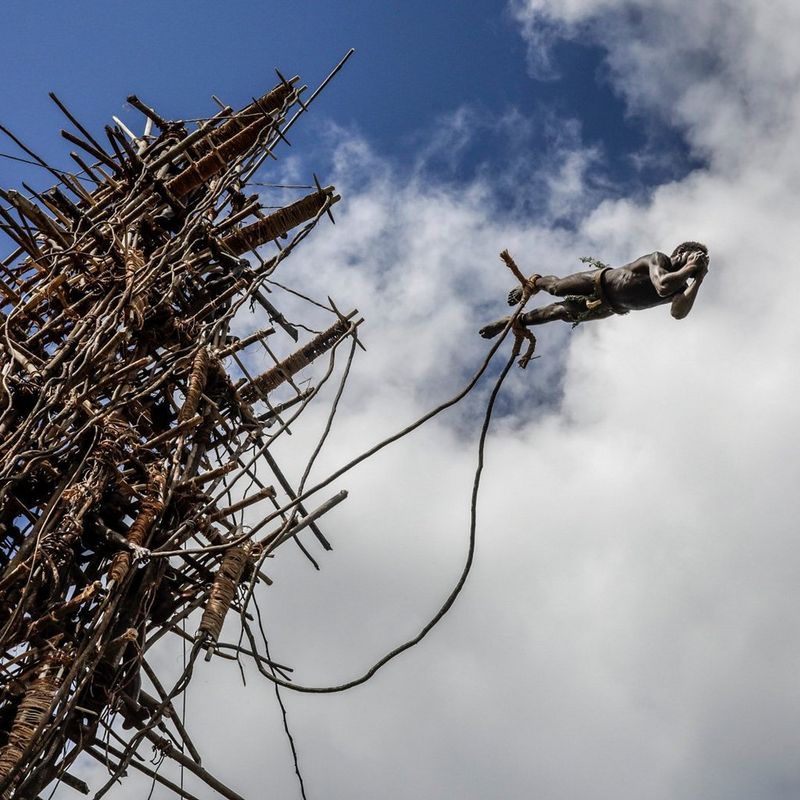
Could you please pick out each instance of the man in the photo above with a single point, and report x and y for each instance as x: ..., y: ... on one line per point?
x: 651, y: 280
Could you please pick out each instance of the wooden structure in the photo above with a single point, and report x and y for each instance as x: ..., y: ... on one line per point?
x: 134, y: 434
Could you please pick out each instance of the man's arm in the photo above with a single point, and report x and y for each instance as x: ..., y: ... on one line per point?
x: 682, y: 303
x: 666, y: 282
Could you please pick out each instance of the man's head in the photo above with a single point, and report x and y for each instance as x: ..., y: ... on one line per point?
x: 681, y: 253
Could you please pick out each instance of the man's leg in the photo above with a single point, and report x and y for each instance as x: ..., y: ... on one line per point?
x: 565, y: 311
x: 581, y: 283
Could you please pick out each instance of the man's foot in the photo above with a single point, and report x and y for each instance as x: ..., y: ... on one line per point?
x: 493, y: 328
x: 515, y: 295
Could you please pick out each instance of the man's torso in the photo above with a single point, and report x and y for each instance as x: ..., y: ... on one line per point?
x: 629, y: 287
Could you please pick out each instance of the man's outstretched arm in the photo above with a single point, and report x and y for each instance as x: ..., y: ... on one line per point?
x: 682, y: 303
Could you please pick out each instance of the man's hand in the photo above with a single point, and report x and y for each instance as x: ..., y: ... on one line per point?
x: 699, y: 261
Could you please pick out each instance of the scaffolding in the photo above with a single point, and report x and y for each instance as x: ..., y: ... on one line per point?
x: 134, y: 435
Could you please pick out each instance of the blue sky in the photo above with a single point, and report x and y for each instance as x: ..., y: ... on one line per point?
x: 629, y: 629
x: 415, y: 63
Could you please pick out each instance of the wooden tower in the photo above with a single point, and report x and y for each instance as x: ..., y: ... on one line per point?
x: 135, y: 434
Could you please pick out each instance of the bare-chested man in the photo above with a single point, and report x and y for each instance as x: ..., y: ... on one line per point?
x: 652, y: 280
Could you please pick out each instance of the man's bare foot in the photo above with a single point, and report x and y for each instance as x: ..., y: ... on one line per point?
x: 515, y: 295
x: 493, y: 328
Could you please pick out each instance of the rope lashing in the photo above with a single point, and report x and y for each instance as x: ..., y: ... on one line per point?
x: 195, y: 385
x: 134, y: 264
x: 33, y: 708
x: 272, y: 378
x: 222, y: 593
x: 268, y: 103
x: 278, y: 223
x: 139, y: 532
x: 230, y: 141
